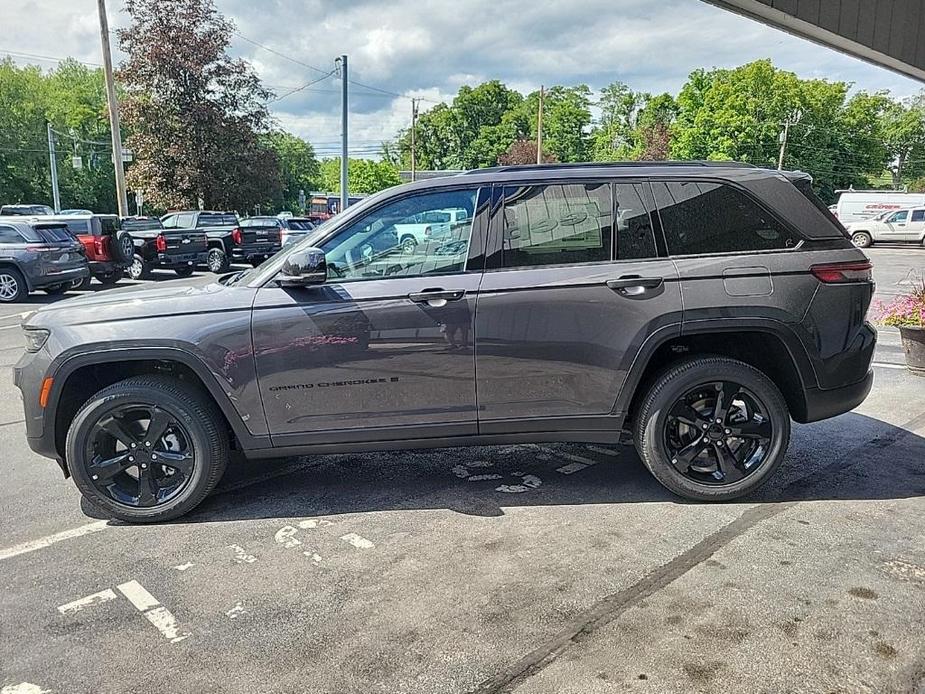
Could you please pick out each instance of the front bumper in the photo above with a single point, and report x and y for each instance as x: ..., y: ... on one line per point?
x: 28, y: 374
x: 176, y: 260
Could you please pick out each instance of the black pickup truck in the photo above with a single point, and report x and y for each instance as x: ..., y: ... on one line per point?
x: 180, y: 250
x: 227, y: 241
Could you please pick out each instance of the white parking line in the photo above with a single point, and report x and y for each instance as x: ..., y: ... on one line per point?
x: 48, y: 540
x: 605, y: 451
x: 24, y: 688
x: 357, y: 541
x: 885, y: 365
x: 154, y: 612
x: 95, y: 599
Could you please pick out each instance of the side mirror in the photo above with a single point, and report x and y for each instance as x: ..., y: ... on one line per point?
x: 304, y: 268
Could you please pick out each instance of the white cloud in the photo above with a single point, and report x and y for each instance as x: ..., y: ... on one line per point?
x: 429, y: 48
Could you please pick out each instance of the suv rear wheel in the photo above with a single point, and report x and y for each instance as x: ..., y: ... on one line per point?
x: 12, y: 285
x: 712, y: 428
x: 147, y: 449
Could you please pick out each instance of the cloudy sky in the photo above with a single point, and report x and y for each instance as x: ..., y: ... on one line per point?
x: 428, y: 48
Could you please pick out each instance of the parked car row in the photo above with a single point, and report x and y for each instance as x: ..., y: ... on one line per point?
x: 54, y: 253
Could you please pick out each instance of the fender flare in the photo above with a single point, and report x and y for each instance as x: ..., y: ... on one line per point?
x: 797, y: 351
x: 66, y: 365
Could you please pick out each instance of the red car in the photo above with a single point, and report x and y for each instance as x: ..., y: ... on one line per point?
x: 109, y: 249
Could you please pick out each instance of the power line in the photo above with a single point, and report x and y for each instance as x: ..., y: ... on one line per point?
x: 50, y: 58
x: 298, y: 89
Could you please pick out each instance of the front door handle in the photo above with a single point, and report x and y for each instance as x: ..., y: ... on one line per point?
x: 635, y: 285
x: 437, y: 297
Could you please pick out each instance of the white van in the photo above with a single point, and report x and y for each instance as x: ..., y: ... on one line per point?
x: 858, y: 205
x: 902, y: 226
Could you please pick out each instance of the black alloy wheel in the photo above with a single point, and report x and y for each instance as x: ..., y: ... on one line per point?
x: 718, y: 433
x: 139, y: 455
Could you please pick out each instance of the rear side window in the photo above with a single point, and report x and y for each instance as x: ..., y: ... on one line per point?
x: 918, y: 215
x: 78, y: 227
x: 216, y: 220
x: 635, y: 237
x: 187, y: 220
x: 558, y: 224
x: 55, y: 234
x: 9, y: 235
x: 700, y: 217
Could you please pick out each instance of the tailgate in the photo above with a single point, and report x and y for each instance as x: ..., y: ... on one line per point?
x: 260, y: 234
x: 185, y: 241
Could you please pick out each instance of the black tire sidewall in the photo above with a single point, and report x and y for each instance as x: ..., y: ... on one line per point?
x: 225, y: 263
x: 118, y: 251
x: 106, y: 401
x: 143, y: 271
x: 183, y: 271
x: 20, y: 283
x: 679, y: 379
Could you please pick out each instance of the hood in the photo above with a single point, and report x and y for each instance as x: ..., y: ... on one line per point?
x: 171, y: 298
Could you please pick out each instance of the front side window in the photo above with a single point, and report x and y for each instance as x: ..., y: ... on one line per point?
x: 9, y: 235
x: 701, y: 217
x: 556, y: 224
x: 398, y: 240
x: 169, y: 222
x: 900, y: 216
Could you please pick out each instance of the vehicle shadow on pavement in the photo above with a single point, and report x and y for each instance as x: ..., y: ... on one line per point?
x: 873, y: 460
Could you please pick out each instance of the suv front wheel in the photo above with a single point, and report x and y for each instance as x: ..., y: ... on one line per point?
x: 147, y: 449
x: 712, y: 428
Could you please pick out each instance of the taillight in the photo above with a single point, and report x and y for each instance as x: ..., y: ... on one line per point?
x: 839, y: 273
x: 39, y: 247
x: 160, y: 243
x: 99, y: 246
x: 237, y: 237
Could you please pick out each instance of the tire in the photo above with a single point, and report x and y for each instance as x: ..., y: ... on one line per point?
x: 257, y: 260
x: 655, y: 428
x: 194, y: 420
x: 56, y: 289
x: 82, y: 284
x: 110, y: 278
x: 862, y: 239
x: 408, y: 244
x: 139, y: 269
x: 123, y: 247
x: 184, y: 271
x: 218, y: 261
x: 12, y: 285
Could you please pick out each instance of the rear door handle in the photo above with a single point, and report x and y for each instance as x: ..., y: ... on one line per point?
x: 437, y: 297
x: 634, y: 284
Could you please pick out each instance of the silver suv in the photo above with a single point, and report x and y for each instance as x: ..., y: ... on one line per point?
x: 701, y: 306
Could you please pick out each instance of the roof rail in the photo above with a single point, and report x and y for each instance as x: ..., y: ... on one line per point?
x: 612, y: 164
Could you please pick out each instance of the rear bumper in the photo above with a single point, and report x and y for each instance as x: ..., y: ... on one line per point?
x: 104, y: 267
x: 175, y: 260
x: 36, y: 281
x: 822, y: 404
x: 253, y: 250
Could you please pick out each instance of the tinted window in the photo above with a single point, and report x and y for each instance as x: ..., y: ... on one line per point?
x: 79, y: 226
x: 262, y: 222
x: 55, y: 234
x: 214, y: 220
x: 635, y: 237
x: 9, y: 235
x: 141, y: 224
x: 715, y: 218
x: 377, y: 246
x: 300, y: 225
x: 110, y: 225
x: 918, y: 215
x: 556, y: 224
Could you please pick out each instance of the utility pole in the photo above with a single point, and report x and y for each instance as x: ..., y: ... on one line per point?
x: 344, y: 161
x: 113, y: 112
x: 783, y: 144
x: 414, y: 120
x: 53, y: 161
x: 539, y: 129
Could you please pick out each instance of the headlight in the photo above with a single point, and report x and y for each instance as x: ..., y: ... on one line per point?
x: 35, y: 338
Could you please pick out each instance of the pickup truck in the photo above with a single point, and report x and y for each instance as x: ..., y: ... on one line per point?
x: 226, y: 239
x: 179, y: 250
x: 434, y: 225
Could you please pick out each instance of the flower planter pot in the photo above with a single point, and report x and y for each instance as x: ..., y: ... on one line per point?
x: 914, y: 347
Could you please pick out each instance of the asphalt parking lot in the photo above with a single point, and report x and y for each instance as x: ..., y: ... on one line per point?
x: 528, y: 569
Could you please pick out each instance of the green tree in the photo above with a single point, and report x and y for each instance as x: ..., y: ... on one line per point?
x: 903, y: 133
x: 365, y: 176
x: 194, y: 114
x: 299, y: 169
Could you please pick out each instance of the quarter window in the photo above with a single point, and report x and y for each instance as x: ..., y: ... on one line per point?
x: 918, y: 215
x: 10, y: 235
x: 557, y: 224
x: 423, y: 234
x: 715, y: 218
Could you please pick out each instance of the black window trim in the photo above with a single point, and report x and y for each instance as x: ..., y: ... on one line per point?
x: 801, y: 239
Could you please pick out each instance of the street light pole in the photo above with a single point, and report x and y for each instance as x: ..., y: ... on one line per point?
x: 414, y: 121
x: 539, y: 129
x: 53, y: 161
x: 113, y: 102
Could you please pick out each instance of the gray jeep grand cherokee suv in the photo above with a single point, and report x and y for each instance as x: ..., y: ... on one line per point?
x: 702, y: 306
